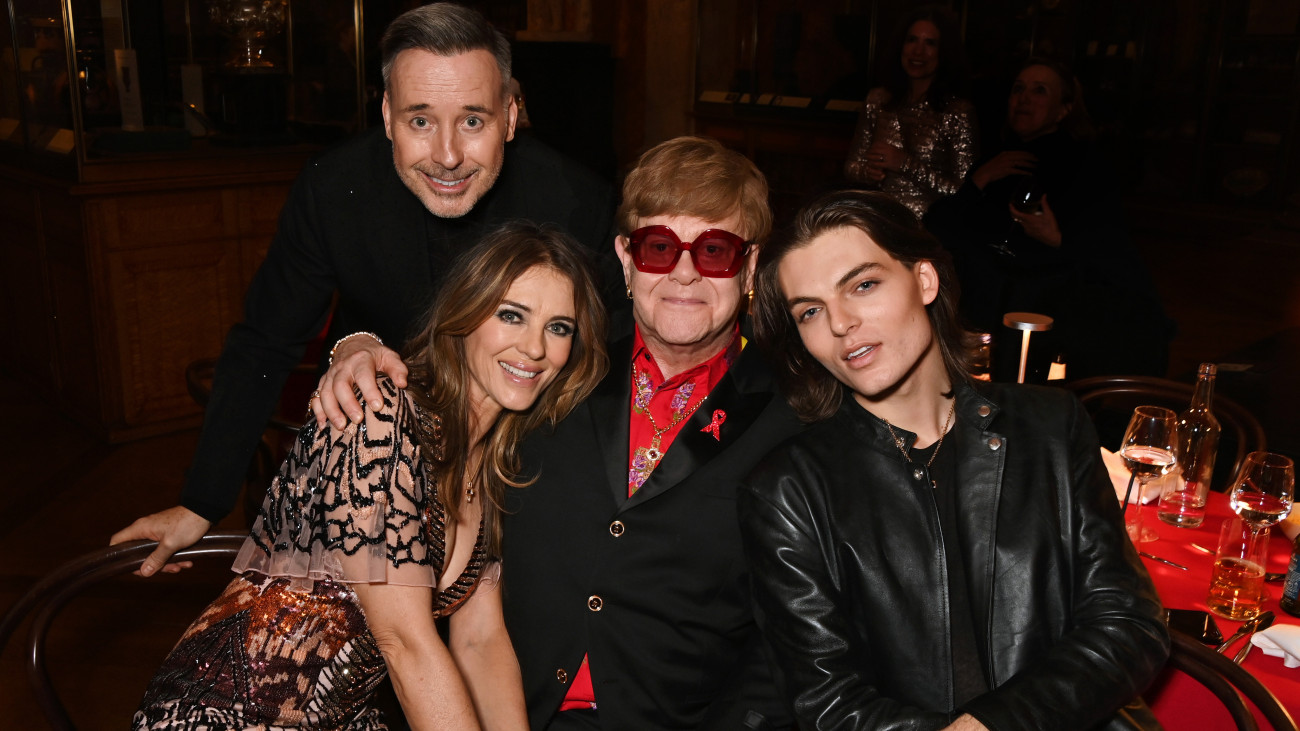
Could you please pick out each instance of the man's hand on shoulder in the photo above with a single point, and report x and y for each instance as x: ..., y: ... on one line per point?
x: 356, y: 360
x: 174, y: 529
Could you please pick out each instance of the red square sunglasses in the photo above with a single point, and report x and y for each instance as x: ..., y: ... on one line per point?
x: 715, y: 253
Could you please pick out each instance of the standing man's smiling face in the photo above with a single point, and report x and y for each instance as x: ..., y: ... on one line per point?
x: 449, y: 118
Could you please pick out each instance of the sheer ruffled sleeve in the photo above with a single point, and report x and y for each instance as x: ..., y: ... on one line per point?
x: 349, y: 505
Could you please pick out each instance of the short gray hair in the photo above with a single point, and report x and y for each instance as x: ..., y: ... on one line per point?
x: 445, y: 29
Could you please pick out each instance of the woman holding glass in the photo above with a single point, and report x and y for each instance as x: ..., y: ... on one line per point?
x: 371, y: 533
x: 915, y: 138
x: 1037, y: 226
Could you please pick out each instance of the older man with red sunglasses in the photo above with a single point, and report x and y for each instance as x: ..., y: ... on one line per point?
x: 625, y: 588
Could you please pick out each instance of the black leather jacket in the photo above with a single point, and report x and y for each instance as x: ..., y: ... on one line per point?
x: 851, y: 584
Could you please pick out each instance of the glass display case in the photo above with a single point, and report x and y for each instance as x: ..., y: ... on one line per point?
x: 89, y: 80
x: 146, y: 148
x: 782, y: 81
x: 809, y: 55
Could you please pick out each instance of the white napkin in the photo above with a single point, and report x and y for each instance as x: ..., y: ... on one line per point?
x: 1280, y: 640
x: 1119, y: 475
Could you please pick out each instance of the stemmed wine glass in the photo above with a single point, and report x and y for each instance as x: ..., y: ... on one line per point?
x: 1261, y: 494
x: 1148, y: 450
x: 1026, y: 196
x: 1263, y: 490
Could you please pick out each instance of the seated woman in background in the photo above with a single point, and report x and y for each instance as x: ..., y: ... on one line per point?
x: 1038, y: 227
x: 915, y: 138
x: 370, y: 534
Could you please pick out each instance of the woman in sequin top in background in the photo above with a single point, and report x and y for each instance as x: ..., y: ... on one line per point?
x: 916, y: 137
x: 370, y: 534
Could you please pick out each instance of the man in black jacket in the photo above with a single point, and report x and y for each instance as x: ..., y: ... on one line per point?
x: 376, y: 223
x: 933, y: 553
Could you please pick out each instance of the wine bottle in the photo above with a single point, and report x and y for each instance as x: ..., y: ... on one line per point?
x: 1183, y: 504
x: 1290, y: 601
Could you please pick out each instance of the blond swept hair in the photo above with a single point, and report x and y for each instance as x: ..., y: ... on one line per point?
x: 696, y: 176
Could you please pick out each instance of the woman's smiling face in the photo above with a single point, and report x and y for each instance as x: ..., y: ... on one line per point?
x: 523, y: 346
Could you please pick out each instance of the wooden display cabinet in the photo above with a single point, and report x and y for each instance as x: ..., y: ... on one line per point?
x: 125, y: 253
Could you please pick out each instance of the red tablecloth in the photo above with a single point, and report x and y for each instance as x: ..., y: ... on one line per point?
x: 1178, y: 701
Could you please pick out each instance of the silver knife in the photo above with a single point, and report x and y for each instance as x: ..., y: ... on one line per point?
x: 1164, y: 561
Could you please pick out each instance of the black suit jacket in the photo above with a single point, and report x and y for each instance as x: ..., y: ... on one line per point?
x: 653, y: 587
x: 351, y: 227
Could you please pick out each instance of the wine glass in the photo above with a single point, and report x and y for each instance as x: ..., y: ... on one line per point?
x: 1263, y: 490
x: 1261, y: 494
x: 1026, y: 196
x: 1148, y: 450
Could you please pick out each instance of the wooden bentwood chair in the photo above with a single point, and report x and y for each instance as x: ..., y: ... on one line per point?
x: 48, y: 597
x: 1229, y: 682
x: 1110, y: 401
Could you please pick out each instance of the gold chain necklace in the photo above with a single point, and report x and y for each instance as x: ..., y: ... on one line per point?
x: 942, y: 433
x: 472, y: 476
x: 653, y: 454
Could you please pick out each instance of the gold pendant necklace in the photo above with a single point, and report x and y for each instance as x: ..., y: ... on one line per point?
x: 939, y: 445
x: 472, y: 476
x: 652, y: 453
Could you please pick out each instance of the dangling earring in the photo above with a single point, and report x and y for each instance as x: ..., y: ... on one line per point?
x: 629, y: 291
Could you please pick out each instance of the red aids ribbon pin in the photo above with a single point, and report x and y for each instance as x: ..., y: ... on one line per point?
x: 715, y: 426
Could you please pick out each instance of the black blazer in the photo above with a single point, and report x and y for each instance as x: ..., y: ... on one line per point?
x: 653, y: 587
x: 351, y: 227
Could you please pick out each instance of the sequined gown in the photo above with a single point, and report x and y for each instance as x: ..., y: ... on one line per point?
x: 286, y: 644
x: 940, y: 148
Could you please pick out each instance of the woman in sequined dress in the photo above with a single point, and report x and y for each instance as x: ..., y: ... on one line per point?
x: 915, y: 138
x: 372, y: 533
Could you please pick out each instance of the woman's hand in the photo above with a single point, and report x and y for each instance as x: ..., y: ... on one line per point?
x: 1004, y: 164
x: 885, y: 157
x: 1039, y: 226
x: 355, y: 363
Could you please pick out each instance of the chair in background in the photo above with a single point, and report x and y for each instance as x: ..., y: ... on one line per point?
x: 1110, y: 401
x: 1229, y: 682
x: 47, y: 598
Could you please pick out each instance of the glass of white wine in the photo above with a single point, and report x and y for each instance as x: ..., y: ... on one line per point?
x: 1148, y: 450
x: 1261, y: 493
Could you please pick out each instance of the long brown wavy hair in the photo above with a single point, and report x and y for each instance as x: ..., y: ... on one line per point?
x: 439, y: 379
x: 812, y: 391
